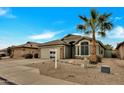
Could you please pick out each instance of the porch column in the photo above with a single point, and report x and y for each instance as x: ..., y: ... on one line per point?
x: 75, y: 50
x: 79, y: 50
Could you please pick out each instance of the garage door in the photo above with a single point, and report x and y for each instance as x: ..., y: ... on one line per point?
x: 45, y: 53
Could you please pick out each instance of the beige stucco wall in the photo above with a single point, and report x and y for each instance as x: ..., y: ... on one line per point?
x: 67, y: 51
x: 20, y: 52
x: 121, y: 51
x: 45, y: 51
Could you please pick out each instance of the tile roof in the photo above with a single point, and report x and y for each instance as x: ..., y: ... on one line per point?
x: 28, y: 46
x: 69, y: 37
x: 64, y: 41
x: 55, y: 42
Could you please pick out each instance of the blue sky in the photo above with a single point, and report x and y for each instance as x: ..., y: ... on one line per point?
x: 19, y: 25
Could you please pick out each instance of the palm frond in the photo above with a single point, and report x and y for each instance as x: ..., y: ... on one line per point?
x: 94, y: 14
x: 102, y: 33
x: 108, y: 25
x: 84, y: 18
x: 107, y: 15
x: 102, y: 18
x: 81, y: 27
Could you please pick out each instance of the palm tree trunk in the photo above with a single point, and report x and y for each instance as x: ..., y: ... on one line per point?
x: 93, y: 54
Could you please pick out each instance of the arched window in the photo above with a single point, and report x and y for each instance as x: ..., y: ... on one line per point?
x: 84, y: 48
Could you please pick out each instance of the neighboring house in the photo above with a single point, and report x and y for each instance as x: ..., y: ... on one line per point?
x: 21, y: 50
x: 120, y: 49
x: 108, y: 53
x: 71, y: 46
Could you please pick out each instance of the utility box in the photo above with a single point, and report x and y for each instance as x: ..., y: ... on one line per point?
x: 105, y: 69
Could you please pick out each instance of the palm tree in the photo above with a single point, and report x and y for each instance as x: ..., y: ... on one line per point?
x: 96, y: 23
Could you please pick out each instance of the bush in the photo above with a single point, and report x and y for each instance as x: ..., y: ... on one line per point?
x: 2, y: 55
x: 28, y: 56
x: 114, y: 55
x: 99, y: 59
x: 36, y: 55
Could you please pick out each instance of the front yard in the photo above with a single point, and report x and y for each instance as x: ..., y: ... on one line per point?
x: 78, y: 74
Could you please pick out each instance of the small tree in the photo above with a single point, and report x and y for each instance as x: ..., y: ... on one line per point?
x: 107, y: 46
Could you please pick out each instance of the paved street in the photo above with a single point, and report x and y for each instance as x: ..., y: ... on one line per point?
x: 15, y: 72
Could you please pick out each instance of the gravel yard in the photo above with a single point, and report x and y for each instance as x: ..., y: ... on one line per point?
x: 90, y: 75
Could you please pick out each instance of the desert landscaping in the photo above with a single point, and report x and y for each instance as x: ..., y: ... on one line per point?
x: 69, y: 70
x: 89, y: 75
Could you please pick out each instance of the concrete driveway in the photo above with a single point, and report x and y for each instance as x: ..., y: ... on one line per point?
x: 15, y: 72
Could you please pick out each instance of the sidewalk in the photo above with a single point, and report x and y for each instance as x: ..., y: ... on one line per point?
x: 23, y: 75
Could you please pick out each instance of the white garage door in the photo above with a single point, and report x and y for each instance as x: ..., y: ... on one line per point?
x: 45, y: 53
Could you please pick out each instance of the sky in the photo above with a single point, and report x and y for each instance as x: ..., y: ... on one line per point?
x: 41, y: 24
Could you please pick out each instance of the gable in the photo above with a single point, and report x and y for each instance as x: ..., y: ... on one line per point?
x: 83, y: 40
x: 71, y: 38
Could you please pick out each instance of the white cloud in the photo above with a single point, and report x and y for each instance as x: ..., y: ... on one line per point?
x: 6, y: 12
x: 77, y: 33
x: 46, y: 35
x: 82, y: 34
x: 118, y: 18
x: 117, y: 32
x: 115, y: 19
x: 3, y: 46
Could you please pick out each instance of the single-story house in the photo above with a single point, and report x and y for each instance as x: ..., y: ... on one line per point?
x: 21, y: 50
x: 120, y: 49
x: 70, y: 46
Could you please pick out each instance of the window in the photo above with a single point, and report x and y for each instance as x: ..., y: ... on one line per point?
x: 84, y: 48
